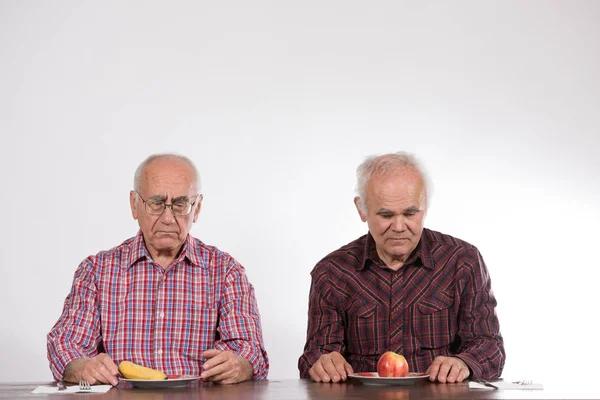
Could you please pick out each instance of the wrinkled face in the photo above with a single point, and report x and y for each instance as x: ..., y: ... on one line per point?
x: 173, y: 182
x: 395, y: 210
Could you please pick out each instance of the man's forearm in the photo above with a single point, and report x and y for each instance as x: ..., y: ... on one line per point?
x: 74, y: 370
x: 254, y: 354
x: 486, y: 360
x: 304, y: 366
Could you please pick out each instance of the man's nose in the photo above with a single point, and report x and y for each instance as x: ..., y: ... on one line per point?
x: 167, y: 216
x: 398, y: 223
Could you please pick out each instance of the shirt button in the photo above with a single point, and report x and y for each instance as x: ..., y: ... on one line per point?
x: 162, y: 315
x: 159, y: 352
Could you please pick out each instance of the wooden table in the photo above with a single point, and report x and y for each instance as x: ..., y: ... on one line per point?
x: 305, y: 389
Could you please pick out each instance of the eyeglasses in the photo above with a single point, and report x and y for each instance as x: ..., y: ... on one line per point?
x: 179, y: 207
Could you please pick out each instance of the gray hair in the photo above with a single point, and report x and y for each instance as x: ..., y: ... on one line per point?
x: 137, y: 178
x: 385, y: 164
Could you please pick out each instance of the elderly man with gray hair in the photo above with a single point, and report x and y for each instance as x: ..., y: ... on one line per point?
x: 162, y: 299
x: 401, y: 288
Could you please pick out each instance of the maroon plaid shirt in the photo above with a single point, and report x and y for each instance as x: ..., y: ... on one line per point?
x: 440, y: 303
x: 126, y: 305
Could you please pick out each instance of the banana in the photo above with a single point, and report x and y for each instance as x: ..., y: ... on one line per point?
x: 134, y: 371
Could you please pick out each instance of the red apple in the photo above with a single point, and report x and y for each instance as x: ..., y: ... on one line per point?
x: 392, y: 365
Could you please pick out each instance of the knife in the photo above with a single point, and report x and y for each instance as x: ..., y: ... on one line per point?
x: 486, y: 383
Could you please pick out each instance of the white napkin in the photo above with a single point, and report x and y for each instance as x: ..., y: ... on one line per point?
x: 71, y: 389
x: 506, y: 385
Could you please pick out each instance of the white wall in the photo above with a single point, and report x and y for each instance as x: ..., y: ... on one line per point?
x: 278, y: 102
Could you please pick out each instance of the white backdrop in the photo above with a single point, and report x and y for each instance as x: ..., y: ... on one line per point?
x: 277, y: 102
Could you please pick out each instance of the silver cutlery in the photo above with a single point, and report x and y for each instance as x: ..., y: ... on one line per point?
x: 486, y: 383
x: 525, y: 382
x: 85, y: 385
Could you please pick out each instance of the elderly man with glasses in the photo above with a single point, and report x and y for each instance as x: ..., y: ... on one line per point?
x: 161, y: 299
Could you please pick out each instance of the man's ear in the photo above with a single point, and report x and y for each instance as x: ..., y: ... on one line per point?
x: 357, y: 203
x: 197, y: 207
x: 133, y: 204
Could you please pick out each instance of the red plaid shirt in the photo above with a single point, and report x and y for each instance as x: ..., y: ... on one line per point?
x: 440, y: 303
x: 125, y: 305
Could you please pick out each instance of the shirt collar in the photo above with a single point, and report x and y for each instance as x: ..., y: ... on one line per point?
x: 421, y: 255
x: 140, y: 252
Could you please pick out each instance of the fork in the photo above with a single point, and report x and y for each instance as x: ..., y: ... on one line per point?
x: 85, y: 386
x: 525, y: 382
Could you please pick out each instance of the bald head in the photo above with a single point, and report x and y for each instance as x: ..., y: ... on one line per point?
x: 165, y: 159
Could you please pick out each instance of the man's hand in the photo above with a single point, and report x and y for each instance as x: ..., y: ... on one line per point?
x: 100, y: 369
x: 225, y: 367
x: 448, y: 369
x: 330, y: 367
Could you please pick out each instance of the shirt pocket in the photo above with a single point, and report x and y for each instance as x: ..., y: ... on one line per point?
x: 365, y: 331
x: 434, y: 322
